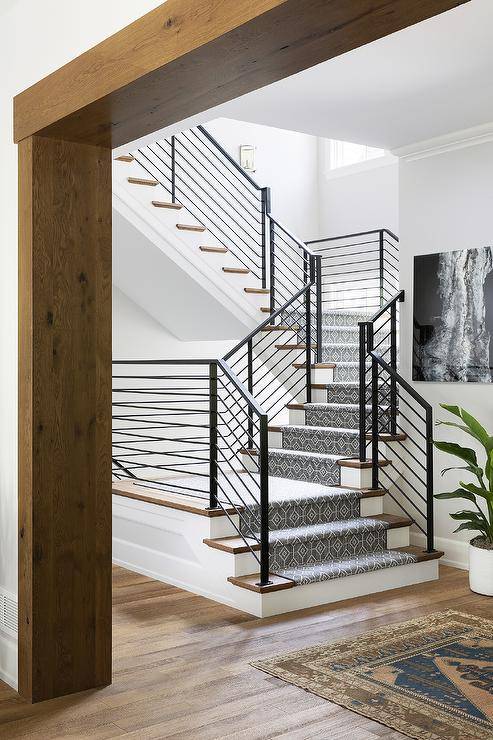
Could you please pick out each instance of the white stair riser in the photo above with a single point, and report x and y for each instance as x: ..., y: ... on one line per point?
x: 275, y: 440
x: 398, y: 537
x: 323, y: 375
x: 249, y: 462
x: 223, y: 526
x: 297, y: 417
x: 371, y: 506
x: 329, y: 592
x: 319, y: 395
x: 356, y: 477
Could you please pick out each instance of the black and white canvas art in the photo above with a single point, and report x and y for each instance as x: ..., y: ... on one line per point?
x: 453, y: 316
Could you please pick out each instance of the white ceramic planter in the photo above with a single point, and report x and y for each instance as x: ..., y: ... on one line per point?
x: 481, y: 570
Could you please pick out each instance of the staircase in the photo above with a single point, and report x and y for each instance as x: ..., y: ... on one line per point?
x: 296, y: 471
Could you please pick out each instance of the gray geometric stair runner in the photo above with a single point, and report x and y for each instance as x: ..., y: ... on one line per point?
x: 327, y: 440
x: 317, y: 533
x: 317, y: 543
x: 306, y: 466
x: 303, y: 574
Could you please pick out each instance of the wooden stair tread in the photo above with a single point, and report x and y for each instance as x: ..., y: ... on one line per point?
x: 371, y: 492
x: 140, y: 492
x: 165, y: 204
x: 257, y: 291
x: 421, y: 554
x: 265, y: 309
x: 365, y: 492
x: 316, y: 366
x: 251, y: 581
x: 125, y: 158
x: 295, y: 346
x: 279, y: 327
x: 353, y: 463
x: 141, y: 181
x: 214, y: 250
x: 235, y: 545
x: 274, y: 428
x: 191, y: 227
x: 236, y: 270
x: 387, y: 437
x: 393, y: 520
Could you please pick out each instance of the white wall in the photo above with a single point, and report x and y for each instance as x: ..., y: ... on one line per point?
x: 446, y: 203
x: 358, y: 198
x: 37, y: 38
x: 286, y: 161
x: 137, y: 336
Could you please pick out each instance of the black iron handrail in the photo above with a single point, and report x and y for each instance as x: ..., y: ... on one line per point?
x: 147, y: 411
x: 354, y: 236
x: 395, y: 417
x: 358, y: 271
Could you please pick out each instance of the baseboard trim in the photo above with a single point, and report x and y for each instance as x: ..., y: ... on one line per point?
x: 134, y: 551
x: 8, y: 659
x: 456, y: 552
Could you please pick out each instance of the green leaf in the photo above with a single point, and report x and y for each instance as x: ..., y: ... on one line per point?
x: 452, y: 409
x: 474, y: 470
x: 466, y: 515
x: 470, y: 526
x: 463, y: 453
x: 458, y: 493
x: 477, y: 429
x: 477, y: 490
x: 473, y: 424
x: 489, y: 470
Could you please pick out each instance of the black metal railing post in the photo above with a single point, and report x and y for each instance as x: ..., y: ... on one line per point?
x: 318, y: 307
x: 264, y: 500
x: 393, y: 365
x: 266, y: 205
x: 173, y: 169
x: 381, y: 261
x: 250, y: 390
x: 374, y: 412
x: 362, y: 390
x: 213, y: 467
x: 430, y: 525
x: 272, y: 267
x: 308, y: 333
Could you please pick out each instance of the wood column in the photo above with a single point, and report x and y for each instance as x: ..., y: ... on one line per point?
x: 64, y: 417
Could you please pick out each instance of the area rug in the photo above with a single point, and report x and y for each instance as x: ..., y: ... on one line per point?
x: 430, y: 678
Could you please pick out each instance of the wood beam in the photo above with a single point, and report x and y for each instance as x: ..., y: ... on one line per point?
x: 189, y: 55
x: 64, y: 417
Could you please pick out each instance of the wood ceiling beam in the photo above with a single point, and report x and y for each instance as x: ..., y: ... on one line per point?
x: 189, y: 55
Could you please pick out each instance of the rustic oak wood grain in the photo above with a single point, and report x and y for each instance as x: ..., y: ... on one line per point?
x: 182, y: 667
x: 186, y: 56
x: 64, y: 417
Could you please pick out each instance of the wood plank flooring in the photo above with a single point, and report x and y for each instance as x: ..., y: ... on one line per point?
x: 181, y: 668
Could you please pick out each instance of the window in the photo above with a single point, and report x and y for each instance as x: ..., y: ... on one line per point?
x: 344, y: 153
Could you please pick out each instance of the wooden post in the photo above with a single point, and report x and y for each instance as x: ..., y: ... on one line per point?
x: 65, y: 417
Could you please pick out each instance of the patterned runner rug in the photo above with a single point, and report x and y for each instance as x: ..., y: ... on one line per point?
x: 430, y: 678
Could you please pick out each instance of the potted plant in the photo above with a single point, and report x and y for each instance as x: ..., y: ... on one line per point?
x: 479, y: 493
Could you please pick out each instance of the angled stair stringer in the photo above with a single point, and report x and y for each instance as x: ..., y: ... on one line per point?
x: 149, y: 248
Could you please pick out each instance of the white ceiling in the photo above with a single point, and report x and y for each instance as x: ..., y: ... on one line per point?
x: 425, y: 81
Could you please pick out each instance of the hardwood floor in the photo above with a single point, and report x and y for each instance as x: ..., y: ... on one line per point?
x: 181, y: 667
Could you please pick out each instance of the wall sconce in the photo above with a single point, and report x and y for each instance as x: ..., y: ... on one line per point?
x: 247, y: 157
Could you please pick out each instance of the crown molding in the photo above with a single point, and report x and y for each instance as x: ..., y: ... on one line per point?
x: 446, y: 143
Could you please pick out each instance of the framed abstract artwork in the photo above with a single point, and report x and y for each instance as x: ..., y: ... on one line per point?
x: 453, y: 316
